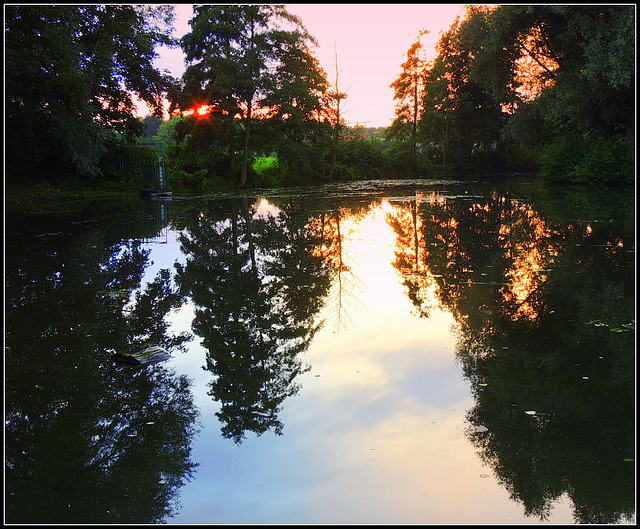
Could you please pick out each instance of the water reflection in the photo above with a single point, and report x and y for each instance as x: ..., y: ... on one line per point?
x: 344, y: 297
x: 545, y: 338
x: 256, y: 288
x: 86, y: 440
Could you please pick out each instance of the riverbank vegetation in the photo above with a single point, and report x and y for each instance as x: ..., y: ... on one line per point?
x: 516, y: 88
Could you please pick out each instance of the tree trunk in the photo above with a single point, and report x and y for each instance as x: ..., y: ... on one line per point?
x: 245, y: 155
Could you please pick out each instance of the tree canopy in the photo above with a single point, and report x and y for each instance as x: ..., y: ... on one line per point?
x: 550, y: 86
x: 250, y: 59
x: 71, y: 72
x: 544, y: 88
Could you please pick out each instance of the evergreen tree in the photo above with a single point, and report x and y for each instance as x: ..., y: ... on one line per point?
x: 241, y: 58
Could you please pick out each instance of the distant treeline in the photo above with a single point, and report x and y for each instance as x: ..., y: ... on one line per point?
x: 537, y: 88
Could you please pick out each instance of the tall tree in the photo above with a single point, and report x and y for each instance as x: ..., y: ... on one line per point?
x: 333, y: 108
x: 408, y: 88
x: 257, y: 288
x: 71, y: 72
x: 236, y: 55
x: 579, y: 60
x: 472, y: 116
x: 295, y: 107
x: 584, y: 57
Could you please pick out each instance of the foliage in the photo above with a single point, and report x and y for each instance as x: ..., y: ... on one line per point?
x: 359, y: 157
x: 459, y: 115
x: 512, y: 85
x: 268, y: 172
x: 198, y: 161
x: 73, y: 440
x: 244, y: 60
x: 544, y: 309
x: 256, y: 289
x: 70, y: 72
x: 588, y: 159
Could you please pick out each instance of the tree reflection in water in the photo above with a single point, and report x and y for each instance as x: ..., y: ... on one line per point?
x: 88, y: 441
x: 542, y: 292
x: 257, y: 287
x: 546, y: 338
x: 345, y: 285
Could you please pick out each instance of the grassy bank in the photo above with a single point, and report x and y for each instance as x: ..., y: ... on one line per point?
x: 34, y: 193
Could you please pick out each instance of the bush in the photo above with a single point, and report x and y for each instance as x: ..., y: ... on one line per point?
x: 588, y: 160
x: 268, y: 172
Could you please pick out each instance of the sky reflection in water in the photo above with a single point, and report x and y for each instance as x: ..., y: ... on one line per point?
x: 376, y: 435
x: 475, y: 362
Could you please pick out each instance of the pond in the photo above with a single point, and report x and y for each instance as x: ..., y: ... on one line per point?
x: 415, y: 352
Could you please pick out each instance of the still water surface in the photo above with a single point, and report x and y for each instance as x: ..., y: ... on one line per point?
x: 378, y: 352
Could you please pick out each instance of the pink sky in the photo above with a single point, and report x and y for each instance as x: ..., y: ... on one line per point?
x: 372, y: 41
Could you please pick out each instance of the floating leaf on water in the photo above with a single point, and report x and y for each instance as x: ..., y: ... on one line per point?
x: 618, y: 329
x: 162, y: 481
x: 630, y: 325
x: 480, y: 428
x: 484, y: 475
x: 585, y: 378
x: 629, y: 459
x: 597, y: 323
x: 530, y: 412
x: 150, y: 422
x: 150, y: 355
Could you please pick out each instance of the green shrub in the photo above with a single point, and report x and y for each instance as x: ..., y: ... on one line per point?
x: 588, y: 160
x: 263, y: 163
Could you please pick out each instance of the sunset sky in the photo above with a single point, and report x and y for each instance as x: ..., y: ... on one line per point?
x: 371, y: 39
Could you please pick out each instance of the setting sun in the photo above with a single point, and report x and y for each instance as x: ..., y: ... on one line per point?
x: 371, y: 42
x: 200, y: 110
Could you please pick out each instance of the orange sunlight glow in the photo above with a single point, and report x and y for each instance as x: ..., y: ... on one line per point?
x: 411, y: 252
x: 530, y: 259
x: 371, y: 41
x: 530, y: 71
x: 200, y: 111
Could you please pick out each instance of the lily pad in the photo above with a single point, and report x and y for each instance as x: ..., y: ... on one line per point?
x: 484, y: 475
x: 530, y: 412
